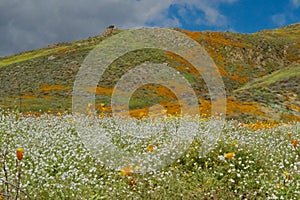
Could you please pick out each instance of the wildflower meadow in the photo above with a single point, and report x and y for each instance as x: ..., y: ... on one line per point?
x: 43, y: 157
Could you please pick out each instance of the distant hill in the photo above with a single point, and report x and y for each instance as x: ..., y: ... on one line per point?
x: 261, y: 72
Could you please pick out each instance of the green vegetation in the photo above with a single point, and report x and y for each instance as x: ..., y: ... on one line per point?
x: 246, y: 62
x: 283, y: 74
x: 30, y: 55
x: 254, y: 161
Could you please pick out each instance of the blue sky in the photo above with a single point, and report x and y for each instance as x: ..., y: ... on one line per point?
x: 245, y: 16
x: 31, y: 24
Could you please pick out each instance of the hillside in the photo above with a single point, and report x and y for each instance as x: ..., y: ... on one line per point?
x: 261, y: 73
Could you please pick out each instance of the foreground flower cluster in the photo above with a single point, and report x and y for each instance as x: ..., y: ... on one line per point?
x: 262, y: 163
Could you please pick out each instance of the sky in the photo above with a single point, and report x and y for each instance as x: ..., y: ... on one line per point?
x: 31, y: 24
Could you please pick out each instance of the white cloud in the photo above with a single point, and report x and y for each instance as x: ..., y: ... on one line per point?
x: 32, y: 24
x: 284, y: 18
x: 209, y: 8
x: 279, y: 19
x: 295, y: 3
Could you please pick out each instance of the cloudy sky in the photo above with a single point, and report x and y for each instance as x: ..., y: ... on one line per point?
x: 30, y: 24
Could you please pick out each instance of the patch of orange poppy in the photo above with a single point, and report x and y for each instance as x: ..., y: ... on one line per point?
x: 46, y: 87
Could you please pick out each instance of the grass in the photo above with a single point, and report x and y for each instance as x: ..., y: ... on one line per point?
x: 61, y: 48
x: 37, y: 104
x: 283, y: 74
x: 248, y: 161
x: 30, y: 55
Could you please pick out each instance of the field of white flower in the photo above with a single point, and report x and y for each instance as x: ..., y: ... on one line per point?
x: 248, y: 161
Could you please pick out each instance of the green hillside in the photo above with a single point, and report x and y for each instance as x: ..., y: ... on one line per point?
x: 260, y: 72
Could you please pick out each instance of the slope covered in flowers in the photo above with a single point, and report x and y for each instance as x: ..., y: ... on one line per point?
x: 255, y: 161
x: 43, y: 79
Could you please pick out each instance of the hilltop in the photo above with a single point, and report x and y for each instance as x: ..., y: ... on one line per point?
x: 261, y: 73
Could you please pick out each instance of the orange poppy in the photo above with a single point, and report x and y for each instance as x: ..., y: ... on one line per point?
x: 20, y: 153
x: 295, y: 143
x: 229, y: 155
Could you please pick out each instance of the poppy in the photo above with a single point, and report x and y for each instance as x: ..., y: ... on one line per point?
x: 295, y: 143
x: 20, y: 153
x: 229, y: 155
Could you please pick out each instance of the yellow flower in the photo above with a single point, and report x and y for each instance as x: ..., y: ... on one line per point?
x: 150, y: 148
x: 287, y: 175
x: 90, y: 105
x: 126, y: 171
x: 229, y: 155
x: 20, y: 153
x: 102, y: 107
